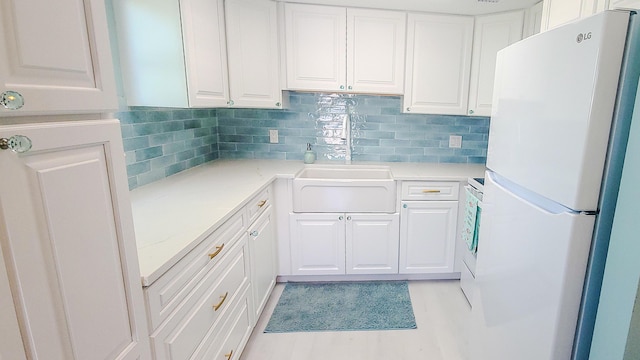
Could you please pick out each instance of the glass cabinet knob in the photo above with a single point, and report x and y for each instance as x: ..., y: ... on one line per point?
x: 11, y: 100
x: 16, y: 143
x: 341, y: 87
x: 471, y: 112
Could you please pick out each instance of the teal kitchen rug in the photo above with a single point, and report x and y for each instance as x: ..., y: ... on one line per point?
x: 343, y: 306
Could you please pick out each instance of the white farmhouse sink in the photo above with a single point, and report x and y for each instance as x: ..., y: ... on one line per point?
x: 348, y: 188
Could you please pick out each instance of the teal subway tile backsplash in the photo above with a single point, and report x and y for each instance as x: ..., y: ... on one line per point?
x: 380, y: 132
x: 161, y: 141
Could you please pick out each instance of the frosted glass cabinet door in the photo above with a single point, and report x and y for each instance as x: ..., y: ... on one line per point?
x: 492, y: 34
x: 67, y: 233
x: 438, y: 64
x: 56, y: 54
x: 316, y: 47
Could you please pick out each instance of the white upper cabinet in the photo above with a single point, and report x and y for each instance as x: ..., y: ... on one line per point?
x: 183, y: 53
x: 492, y: 33
x: 438, y: 64
x: 375, y: 51
x: 56, y: 55
x: 338, y: 49
x: 316, y: 47
x: 172, y: 52
x: 205, y: 54
x: 558, y: 12
x: 253, y: 54
x: 624, y: 4
x: 532, y: 20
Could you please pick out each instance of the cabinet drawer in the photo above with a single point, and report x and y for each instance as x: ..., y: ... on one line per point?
x: 179, y: 336
x: 231, y: 336
x: 258, y: 204
x: 165, y: 294
x: 430, y: 190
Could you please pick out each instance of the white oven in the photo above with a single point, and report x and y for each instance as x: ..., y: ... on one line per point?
x: 470, y: 234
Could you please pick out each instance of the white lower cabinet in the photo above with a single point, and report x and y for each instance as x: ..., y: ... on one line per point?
x: 427, y: 236
x: 372, y: 243
x: 69, y: 278
x: 206, y: 305
x: 428, y: 227
x: 339, y: 243
x: 186, y: 330
x: 317, y: 244
x: 264, y: 266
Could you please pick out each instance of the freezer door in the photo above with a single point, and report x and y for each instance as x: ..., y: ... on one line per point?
x: 553, y: 104
x: 529, y: 276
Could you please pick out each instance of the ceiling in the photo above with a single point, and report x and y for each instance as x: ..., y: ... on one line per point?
x: 463, y: 7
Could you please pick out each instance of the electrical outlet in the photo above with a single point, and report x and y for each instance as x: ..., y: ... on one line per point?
x: 455, y: 141
x: 273, y: 136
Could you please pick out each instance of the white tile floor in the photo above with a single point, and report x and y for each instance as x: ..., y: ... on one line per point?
x: 441, y: 312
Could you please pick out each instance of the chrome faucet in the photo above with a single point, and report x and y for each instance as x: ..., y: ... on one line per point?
x: 346, y: 131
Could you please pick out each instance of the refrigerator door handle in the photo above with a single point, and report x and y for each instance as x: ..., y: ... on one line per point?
x: 536, y: 200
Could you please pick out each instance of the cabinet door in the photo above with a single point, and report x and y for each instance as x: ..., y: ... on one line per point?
x: 438, y: 64
x: 375, y: 53
x: 56, y: 54
x: 11, y: 346
x: 624, y: 4
x: 252, y: 49
x: 372, y: 243
x: 262, y: 252
x: 67, y: 230
x: 532, y: 20
x: 492, y: 34
x: 172, y: 52
x: 316, y: 47
x: 558, y: 12
x: 427, y: 236
x: 205, y: 52
x: 317, y: 244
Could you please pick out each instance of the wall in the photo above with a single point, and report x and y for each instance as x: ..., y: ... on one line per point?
x: 161, y: 141
x: 620, y: 283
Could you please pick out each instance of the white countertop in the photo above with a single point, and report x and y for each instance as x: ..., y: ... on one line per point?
x: 173, y: 215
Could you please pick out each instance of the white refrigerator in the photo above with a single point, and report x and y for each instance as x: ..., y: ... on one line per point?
x: 562, y: 105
